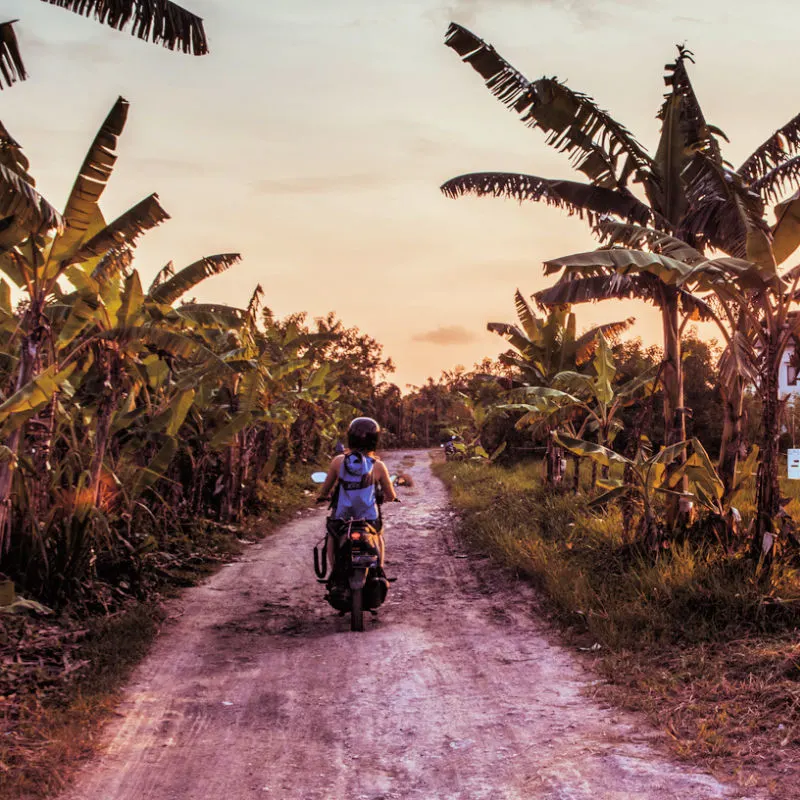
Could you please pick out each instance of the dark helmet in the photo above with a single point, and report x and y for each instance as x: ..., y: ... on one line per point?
x: 363, y: 434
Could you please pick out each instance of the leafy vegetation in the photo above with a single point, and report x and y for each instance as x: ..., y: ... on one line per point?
x: 666, y: 251
x: 127, y: 414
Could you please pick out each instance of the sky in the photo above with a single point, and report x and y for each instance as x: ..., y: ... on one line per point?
x: 314, y: 137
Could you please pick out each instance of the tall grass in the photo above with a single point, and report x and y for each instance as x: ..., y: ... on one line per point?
x: 694, y: 639
x: 598, y: 578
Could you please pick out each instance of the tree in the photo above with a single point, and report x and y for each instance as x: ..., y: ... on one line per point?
x: 593, y: 399
x: 693, y: 200
x: 35, y: 259
x: 760, y: 301
x: 546, y: 347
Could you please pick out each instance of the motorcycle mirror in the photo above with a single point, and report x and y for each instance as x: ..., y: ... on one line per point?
x: 319, y: 477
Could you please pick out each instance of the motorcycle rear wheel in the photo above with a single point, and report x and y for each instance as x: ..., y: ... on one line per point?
x: 357, y: 610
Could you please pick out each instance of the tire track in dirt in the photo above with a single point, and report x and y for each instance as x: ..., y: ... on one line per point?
x: 258, y: 689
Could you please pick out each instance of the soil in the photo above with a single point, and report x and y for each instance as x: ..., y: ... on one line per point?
x: 258, y: 689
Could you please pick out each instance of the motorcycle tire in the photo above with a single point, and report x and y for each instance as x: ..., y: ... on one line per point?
x: 357, y: 610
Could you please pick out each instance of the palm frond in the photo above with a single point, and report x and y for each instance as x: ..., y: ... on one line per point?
x: 114, y: 262
x: 779, y: 147
x: 512, y: 334
x: 167, y: 271
x: 11, y: 67
x: 786, y: 231
x: 739, y: 360
x: 596, y: 144
x: 586, y: 344
x: 158, y: 21
x: 722, y: 210
x: 20, y: 202
x: 699, y: 136
x: 213, y: 314
x: 254, y: 306
x: 775, y: 183
x: 123, y: 231
x: 638, y: 237
x: 12, y: 157
x: 81, y: 208
x: 622, y: 261
x: 526, y: 316
x: 684, y: 131
x: 583, y: 199
x: 181, y: 282
x: 162, y: 342
x: 642, y: 286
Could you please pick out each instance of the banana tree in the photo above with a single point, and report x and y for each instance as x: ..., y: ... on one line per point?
x: 646, y: 475
x: 691, y: 196
x: 586, y: 404
x: 600, y: 401
x: 546, y: 346
x: 753, y: 292
x: 610, y: 158
x: 37, y: 256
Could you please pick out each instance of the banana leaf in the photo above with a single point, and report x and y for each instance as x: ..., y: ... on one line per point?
x: 148, y: 475
x: 35, y: 394
x: 602, y: 455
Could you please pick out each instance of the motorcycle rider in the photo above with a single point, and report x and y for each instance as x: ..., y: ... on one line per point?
x: 356, y: 478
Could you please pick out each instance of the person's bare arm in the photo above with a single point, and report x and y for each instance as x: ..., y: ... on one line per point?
x: 385, y: 481
x: 330, y: 480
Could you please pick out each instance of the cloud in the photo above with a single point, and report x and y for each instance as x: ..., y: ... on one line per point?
x: 95, y: 49
x: 587, y: 11
x: 322, y: 184
x: 446, y: 335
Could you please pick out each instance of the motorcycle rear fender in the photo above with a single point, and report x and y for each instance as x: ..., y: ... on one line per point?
x: 357, y: 579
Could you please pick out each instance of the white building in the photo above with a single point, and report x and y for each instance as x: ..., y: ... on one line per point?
x: 789, y: 376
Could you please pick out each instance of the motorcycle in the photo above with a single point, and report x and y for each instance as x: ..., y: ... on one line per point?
x: 355, y: 584
x: 453, y: 449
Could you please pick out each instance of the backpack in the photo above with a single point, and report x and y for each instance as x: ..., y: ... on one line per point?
x: 356, y: 489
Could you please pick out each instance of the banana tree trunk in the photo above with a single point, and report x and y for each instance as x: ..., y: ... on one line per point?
x: 767, y: 485
x: 105, y: 414
x: 101, y: 438
x: 732, y: 432
x: 29, y: 359
x: 41, y: 440
x: 672, y: 384
x: 554, y: 464
x: 231, y: 481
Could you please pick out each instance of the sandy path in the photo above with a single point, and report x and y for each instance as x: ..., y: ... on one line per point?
x: 258, y: 689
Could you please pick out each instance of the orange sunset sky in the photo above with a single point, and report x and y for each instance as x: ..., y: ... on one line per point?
x: 315, y: 136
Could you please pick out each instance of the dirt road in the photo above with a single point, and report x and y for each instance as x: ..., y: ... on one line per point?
x: 258, y: 689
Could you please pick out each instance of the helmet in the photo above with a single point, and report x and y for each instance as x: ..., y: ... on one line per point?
x: 363, y: 434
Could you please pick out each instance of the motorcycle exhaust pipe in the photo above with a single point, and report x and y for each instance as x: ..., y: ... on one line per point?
x: 321, y: 569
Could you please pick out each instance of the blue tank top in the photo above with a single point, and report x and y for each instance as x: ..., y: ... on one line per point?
x: 357, y: 498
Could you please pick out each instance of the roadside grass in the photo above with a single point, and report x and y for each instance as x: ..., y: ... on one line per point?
x: 60, y: 679
x: 697, y: 642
